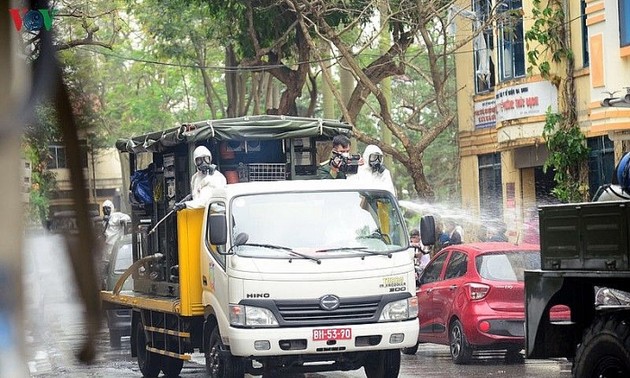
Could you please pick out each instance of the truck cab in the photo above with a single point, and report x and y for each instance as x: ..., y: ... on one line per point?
x: 307, y: 271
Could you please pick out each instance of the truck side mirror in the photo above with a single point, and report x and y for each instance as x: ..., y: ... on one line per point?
x: 427, y: 230
x: 217, y: 226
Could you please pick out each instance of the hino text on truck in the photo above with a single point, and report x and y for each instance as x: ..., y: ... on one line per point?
x: 585, y: 260
x: 279, y: 272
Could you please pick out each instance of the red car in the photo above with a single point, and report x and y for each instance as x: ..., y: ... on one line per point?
x: 472, y: 297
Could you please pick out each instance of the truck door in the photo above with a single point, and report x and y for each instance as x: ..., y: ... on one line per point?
x: 214, y: 280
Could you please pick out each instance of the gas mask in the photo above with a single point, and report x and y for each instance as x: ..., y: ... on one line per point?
x: 107, y: 211
x: 376, y: 163
x: 204, y: 165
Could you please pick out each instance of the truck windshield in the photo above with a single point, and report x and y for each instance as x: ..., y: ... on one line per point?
x: 321, y: 224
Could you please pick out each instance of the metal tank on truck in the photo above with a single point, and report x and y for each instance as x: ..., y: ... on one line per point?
x: 585, y: 260
x: 277, y: 272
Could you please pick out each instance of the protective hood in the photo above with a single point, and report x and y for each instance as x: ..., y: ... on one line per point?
x: 369, y: 150
x: 200, y: 152
x: 108, y: 203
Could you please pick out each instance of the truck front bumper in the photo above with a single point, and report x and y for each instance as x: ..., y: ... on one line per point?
x: 291, y: 341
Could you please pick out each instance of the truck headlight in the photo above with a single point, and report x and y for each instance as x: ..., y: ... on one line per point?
x: 248, y: 316
x: 400, y: 310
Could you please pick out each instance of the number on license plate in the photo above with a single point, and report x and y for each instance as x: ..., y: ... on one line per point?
x: 332, y: 334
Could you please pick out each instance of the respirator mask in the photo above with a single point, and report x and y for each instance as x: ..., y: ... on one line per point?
x: 204, y: 165
x: 376, y: 163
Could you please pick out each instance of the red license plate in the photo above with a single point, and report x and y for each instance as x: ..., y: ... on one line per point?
x: 332, y: 334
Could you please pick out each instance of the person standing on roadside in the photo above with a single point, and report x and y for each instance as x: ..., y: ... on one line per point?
x: 113, y: 224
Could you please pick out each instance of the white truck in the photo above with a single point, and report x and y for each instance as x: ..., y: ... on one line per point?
x: 273, y: 277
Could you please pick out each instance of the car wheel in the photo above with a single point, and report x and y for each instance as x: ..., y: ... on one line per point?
x: 461, y: 351
x: 148, y: 362
x: 383, y: 364
x: 411, y: 350
x: 217, y: 364
x: 605, y: 349
x: 114, y: 339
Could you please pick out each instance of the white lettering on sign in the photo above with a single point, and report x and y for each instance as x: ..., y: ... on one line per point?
x: 526, y: 100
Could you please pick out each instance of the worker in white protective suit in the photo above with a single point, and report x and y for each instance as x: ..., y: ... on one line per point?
x: 203, y: 181
x: 113, y: 224
x: 373, y: 169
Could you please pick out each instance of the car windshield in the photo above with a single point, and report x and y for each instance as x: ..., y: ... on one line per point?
x: 123, y: 258
x: 507, y: 266
x: 321, y: 224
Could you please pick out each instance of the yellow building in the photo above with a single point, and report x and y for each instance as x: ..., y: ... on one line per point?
x: 103, y: 181
x: 502, y: 151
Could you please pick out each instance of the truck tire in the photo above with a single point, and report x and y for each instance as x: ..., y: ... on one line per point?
x: 217, y: 365
x: 383, y: 364
x: 461, y: 351
x: 411, y: 350
x: 171, y: 366
x: 149, y: 363
x: 605, y: 349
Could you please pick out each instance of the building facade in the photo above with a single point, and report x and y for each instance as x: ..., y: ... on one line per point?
x: 502, y: 150
x: 103, y: 181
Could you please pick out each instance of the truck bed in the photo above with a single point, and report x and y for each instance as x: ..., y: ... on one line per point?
x: 133, y: 299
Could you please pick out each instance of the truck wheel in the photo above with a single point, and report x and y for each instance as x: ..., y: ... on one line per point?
x: 171, y: 366
x: 411, y: 350
x: 605, y: 349
x: 219, y: 362
x: 383, y: 364
x: 148, y: 362
x: 461, y: 352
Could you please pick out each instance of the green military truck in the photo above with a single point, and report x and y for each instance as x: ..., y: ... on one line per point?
x: 585, y: 260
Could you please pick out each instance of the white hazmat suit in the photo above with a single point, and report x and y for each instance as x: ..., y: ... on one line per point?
x: 114, y: 223
x: 373, y: 169
x: 204, y: 180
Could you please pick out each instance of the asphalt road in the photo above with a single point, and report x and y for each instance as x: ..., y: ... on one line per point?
x: 54, y: 332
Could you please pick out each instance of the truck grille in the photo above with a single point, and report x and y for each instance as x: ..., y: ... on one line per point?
x: 352, y: 310
x: 308, y: 312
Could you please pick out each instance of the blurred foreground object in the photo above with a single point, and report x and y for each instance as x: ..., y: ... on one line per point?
x: 16, y: 108
x: 13, y: 81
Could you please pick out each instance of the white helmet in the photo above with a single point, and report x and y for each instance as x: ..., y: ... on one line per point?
x: 202, y: 158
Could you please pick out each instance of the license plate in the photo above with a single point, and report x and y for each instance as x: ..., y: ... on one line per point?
x: 332, y: 334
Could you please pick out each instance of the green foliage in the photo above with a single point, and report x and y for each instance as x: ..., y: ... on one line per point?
x: 566, y: 147
x: 565, y: 141
x: 39, y: 134
x: 549, y: 31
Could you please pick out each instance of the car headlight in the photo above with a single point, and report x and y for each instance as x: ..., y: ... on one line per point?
x: 400, y: 310
x: 248, y: 316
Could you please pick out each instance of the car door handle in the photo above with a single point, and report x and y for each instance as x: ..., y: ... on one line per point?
x: 452, y: 287
x: 428, y: 291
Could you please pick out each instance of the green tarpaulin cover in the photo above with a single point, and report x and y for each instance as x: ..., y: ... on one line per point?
x: 263, y: 127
